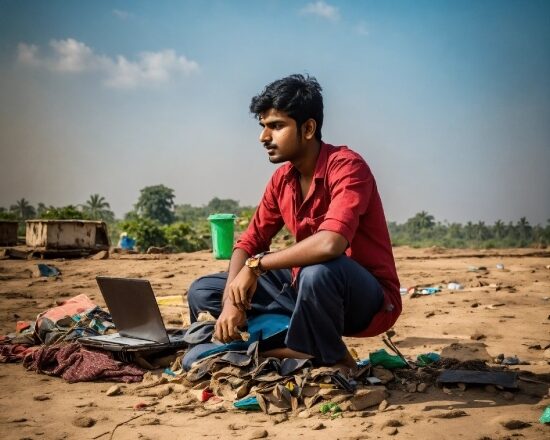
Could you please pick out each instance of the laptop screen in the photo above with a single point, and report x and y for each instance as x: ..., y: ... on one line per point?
x: 134, y: 309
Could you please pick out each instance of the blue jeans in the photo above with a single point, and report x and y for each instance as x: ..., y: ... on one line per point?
x: 331, y: 299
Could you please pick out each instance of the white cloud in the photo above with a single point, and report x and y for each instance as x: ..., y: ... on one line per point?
x: 361, y: 28
x: 123, y: 15
x: 321, y: 9
x: 72, y: 57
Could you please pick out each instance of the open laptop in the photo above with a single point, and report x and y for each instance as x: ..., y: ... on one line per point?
x: 136, y: 315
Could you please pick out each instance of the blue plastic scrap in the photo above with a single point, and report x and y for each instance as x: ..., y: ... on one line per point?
x: 48, y: 271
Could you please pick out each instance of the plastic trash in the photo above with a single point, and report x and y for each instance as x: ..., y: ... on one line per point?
x: 247, y: 404
x: 455, y: 286
x: 500, y: 266
x: 403, y: 290
x: 126, y: 242
x: 223, y: 228
x: 363, y: 362
x: 48, y: 271
x: 330, y: 407
x: 429, y: 290
x: 545, y: 417
x: 427, y: 358
x: 386, y: 360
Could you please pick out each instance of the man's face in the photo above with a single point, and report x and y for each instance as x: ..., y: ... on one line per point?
x: 280, y: 136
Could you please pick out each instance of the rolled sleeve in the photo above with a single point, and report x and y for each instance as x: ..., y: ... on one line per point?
x: 265, y: 223
x: 350, y: 190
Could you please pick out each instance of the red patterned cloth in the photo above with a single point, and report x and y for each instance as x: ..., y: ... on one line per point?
x: 75, y: 363
x: 14, y: 352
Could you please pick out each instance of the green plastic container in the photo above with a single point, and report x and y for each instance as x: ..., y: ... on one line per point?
x: 223, y: 230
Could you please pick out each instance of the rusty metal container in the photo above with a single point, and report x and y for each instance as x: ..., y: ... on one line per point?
x: 8, y: 232
x: 67, y: 234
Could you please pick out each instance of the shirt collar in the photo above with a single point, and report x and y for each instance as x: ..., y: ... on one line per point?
x: 320, y: 165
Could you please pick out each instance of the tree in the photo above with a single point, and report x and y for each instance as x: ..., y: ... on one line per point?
x: 499, y: 229
x: 156, y: 202
x: 23, y: 209
x: 97, y: 208
x: 217, y: 205
x: 421, y: 221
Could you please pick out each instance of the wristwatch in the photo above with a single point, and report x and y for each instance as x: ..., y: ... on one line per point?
x: 254, y: 264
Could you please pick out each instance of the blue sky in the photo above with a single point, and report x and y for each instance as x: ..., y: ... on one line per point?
x: 448, y: 102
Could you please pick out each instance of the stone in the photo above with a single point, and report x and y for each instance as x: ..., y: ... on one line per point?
x: 258, y: 433
x: 83, y: 422
x: 115, y: 390
x: 507, y: 395
x: 366, y: 398
x: 391, y: 431
x: 305, y: 414
x: 383, y: 374
x: 461, y: 386
x: 383, y: 405
x: 490, y: 389
x: 318, y: 426
x: 393, y: 423
x: 422, y: 387
x: 41, y: 397
x: 515, y: 424
x: 411, y: 387
x: 101, y: 255
x: 453, y: 414
x: 279, y: 418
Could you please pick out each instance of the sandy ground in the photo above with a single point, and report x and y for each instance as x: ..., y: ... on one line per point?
x: 509, y: 308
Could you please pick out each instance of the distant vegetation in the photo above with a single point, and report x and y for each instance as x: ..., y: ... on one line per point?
x: 157, y: 221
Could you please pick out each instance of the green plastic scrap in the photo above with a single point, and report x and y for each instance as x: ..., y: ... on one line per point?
x: 545, y: 417
x: 386, y: 360
x: 331, y: 407
x: 427, y: 358
x: 247, y: 404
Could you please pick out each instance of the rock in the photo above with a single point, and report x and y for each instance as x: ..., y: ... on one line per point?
x: 367, y: 397
x: 305, y: 414
x: 507, y: 395
x: 515, y: 424
x: 258, y: 433
x: 391, y: 431
x: 279, y: 418
x: 235, y: 427
x: 383, y: 374
x: 466, y: 351
x: 17, y: 420
x: 477, y: 336
x: 41, y: 397
x: 115, y: 390
x: 83, y: 422
x: 318, y: 426
x: 393, y: 423
x: 383, y: 405
x: 491, y: 389
x: 461, y: 386
x: 101, y: 255
x: 422, y: 387
x: 453, y: 414
x: 411, y: 387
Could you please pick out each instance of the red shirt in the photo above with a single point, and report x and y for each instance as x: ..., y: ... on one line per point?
x: 342, y: 198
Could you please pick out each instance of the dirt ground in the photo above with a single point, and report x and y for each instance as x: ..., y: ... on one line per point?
x: 507, y: 309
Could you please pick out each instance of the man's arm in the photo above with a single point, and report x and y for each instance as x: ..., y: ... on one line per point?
x: 231, y: 316
x: 317, y: 248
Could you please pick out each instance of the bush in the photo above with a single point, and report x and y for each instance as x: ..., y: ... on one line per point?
x: 145, y: 231
x: 182, y: 238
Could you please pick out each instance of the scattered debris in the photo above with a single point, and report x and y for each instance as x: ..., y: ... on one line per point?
x: 83, y: 422
x: 515, y: 424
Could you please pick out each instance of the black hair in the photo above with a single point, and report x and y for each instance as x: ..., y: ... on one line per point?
x: 297, y: 95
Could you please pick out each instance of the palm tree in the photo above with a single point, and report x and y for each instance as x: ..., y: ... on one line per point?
x: 97, y: 207
x: 498, y: 229
x: 23, y: 209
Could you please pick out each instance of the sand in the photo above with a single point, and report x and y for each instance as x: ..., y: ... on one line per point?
x: 506, y: 310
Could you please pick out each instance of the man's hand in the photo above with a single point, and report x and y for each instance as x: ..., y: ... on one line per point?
x: 241, y: 289
x: 228, y: 321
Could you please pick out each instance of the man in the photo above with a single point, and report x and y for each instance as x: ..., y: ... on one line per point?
x: 339, y: 278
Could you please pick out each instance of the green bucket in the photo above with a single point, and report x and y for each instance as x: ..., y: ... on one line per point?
x: 223, y: 228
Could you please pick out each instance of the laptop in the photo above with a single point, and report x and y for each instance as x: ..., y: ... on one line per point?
x: 136, y: 315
